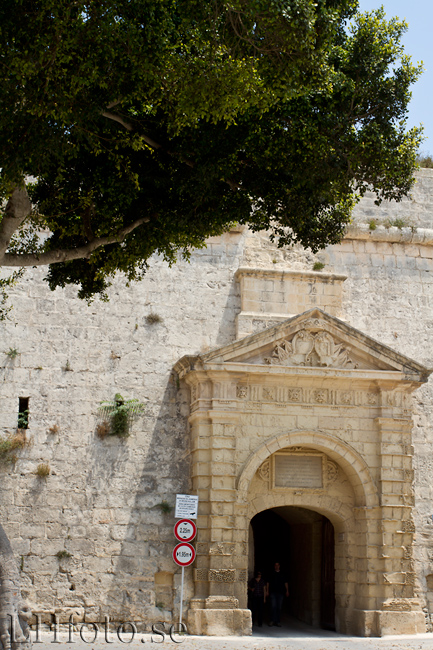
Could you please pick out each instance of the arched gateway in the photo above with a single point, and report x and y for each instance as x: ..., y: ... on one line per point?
x: 310, y: 416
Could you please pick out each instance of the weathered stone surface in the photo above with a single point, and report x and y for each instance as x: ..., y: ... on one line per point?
x: 220, y: 622
x: 101, y: 502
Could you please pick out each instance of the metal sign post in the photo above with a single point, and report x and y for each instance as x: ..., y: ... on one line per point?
x: 183, y: 555
x: 181, y: 599
x: 184, y: 530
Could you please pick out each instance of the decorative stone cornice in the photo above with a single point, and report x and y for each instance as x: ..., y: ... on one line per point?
x: 393, y: 235
x: 313, y: 343
x: 319, y: 276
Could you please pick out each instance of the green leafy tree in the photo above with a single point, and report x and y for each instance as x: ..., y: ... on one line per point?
x: 129, y: 127
x: 134, y: 127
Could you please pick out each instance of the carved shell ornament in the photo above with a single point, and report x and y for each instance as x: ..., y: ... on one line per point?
x: 311, y: 349
x: 264, y: 470
x: 331, y: 471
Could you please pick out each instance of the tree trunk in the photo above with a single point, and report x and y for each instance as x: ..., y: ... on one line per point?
x: 14, y: 611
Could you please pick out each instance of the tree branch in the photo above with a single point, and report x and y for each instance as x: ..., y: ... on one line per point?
x: 17, y: 209
x: 116, y: 102
x: 118, y: 118
x: 233, y: 185
x: 128, y: 126
x: 67, y: 255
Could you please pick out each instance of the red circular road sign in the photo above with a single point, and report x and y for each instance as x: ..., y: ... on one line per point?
x: 185, y: 530
x: 184, y: 554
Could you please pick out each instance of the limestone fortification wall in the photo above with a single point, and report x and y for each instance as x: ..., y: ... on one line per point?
x: 102, y: 501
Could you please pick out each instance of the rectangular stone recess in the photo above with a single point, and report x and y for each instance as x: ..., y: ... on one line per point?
x: 296, y: 471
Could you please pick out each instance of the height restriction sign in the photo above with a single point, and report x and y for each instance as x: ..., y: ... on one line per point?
x: 184, y: 554
x: 185, y: 530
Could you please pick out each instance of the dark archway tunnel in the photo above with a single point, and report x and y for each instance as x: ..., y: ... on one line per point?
x: 302, y: 541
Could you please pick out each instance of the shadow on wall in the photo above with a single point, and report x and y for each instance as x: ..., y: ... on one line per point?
x: 141, y: 583
x: 227, y: 329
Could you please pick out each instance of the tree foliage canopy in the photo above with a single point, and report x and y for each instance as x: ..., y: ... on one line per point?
x: 129, y: 127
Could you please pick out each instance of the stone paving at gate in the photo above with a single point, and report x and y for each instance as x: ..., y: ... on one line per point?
x: 292, y: 636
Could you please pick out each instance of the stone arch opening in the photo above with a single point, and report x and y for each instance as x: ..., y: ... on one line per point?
x: 330, y: 513
x: 341, y: 452
x: 302, y: 541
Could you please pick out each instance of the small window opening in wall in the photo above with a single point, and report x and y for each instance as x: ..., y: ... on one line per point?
x: 23, y: 413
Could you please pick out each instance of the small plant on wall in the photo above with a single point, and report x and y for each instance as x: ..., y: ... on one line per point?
x: 23, y: 419
x: 165, y: 507
x: 63, y: 555
x: 11, y: 444
x: 43, y: 470
x: 116, y: 416
x: 12, y: 353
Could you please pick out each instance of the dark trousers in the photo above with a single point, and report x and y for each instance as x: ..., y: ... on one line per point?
x: 257, y: 610
x: 276, y: 607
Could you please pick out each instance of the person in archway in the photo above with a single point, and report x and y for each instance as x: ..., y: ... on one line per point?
x: 258, y: 593
x: 277, y: 588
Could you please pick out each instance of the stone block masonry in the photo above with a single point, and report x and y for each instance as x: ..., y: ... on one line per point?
x: 101, y: 503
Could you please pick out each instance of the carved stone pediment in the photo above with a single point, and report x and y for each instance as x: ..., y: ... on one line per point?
x: 313, y: 340
x: 307, y: 348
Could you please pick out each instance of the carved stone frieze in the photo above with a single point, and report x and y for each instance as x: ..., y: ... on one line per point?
x: 222, y: 549
x: 407, y: 552
x: 241, y: 392
x: 201, y: 575
x: 254, y: 406
x: 254, y: 397
x: 397, y: 605
x: 222, y: 575
x: 269, y: 393
x: 315, y: 324
x: 320, y: 396
x: 242, y: 575
x: 410, y: 578
x: 408, y: 526
x: 309, y: 349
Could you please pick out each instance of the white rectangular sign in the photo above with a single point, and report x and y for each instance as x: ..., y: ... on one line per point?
x: 186, y: 506
x: 298, y: 471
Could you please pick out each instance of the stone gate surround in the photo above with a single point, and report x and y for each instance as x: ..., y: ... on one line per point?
x: 311, y: 385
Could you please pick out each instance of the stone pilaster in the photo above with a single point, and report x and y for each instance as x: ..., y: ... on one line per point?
x: 398, y: 609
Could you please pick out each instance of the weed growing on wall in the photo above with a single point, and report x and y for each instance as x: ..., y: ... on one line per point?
x: 12, y: 353
x: 63, y: 555
x: 152, y: 318
x: 43, y: 470
x: 116, y: 416
x: 11, y: 444
x: 165, y: 507
x: 23, y: 419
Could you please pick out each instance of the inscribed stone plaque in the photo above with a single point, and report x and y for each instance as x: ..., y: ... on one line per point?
x: 298, y: 471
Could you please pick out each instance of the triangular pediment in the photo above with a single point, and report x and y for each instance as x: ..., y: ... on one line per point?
x: 317, y: 340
